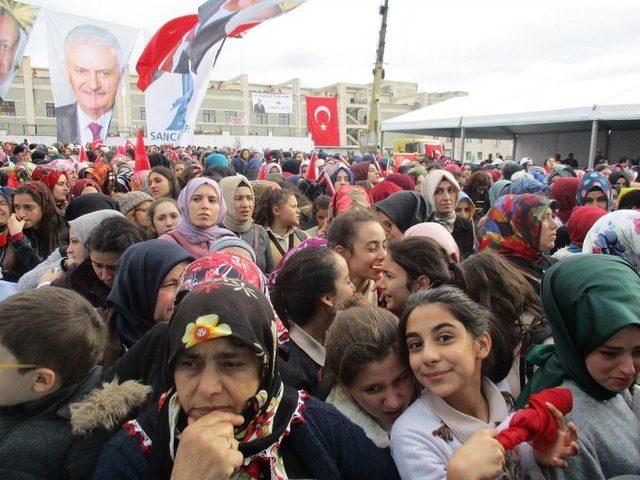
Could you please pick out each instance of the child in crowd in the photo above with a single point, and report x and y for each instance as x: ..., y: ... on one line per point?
x: 50, y: 425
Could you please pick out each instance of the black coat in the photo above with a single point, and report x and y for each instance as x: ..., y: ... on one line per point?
x: 83, y: 280
x: 464, y: 237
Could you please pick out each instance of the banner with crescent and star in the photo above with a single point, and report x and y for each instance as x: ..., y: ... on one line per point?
x: 322, y: 121
x: 175, y: 67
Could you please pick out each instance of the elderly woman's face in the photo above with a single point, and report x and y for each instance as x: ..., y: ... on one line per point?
x: 217, y: 375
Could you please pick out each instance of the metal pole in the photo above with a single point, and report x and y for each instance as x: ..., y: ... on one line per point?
x: 461, y: 145
x: 594, y: 140
x: 513, y: 148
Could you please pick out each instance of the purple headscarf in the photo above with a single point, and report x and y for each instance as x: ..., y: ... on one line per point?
x: 192, y: 233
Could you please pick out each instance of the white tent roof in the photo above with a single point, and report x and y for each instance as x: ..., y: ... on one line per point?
x: 547, y: 108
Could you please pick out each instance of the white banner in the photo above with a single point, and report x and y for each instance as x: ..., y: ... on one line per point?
x: 272, y: 102
x: 16, y: 23
x: 86, y: 60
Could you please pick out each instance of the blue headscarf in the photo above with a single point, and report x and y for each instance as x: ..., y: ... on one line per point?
x: 334, y: 175
x: 528, y: 185
x: 141, y: 270
x: 216, y: 160
x: 6, y: 193
x: 593, y: 181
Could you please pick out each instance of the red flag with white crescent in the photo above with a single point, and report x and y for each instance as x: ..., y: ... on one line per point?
x: 322, y: 121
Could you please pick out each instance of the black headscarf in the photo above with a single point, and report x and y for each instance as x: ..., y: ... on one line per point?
x: 91, y: 202
x: 140, y: 272
x: 228, y: 308
x: 405, y: 209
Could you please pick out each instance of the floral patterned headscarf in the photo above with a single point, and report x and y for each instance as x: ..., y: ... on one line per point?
x: 593, y: 181
x: 617, y: 233
x: 228, y: 308
x: 513, y: 226
x: 349, y: 197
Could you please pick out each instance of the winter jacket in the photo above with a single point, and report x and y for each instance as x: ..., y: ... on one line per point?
x: 325, y: 447
x: 82, y: 279
x: 61, y: 436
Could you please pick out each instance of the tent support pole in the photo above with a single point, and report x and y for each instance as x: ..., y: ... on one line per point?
x: 594, y: 140
x: 513, y: 148
x: 461, y: 144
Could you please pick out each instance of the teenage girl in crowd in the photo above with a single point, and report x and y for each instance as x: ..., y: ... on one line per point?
x: 596, y: 354
x: 358, y: 237
x: 278, y: 213
x: 446, y: 340
x: 411, y: 265
x: 308, y: 304
x: 371, y: 384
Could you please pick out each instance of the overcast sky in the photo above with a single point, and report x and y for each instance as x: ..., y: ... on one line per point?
x: 472, y: 45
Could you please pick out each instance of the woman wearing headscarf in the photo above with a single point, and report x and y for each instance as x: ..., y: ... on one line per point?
x: 527, y: 185
x: 620, y: 177
x: 143, y: 292
x: 350, y: 197
x: 240, y: 198
x: 383, y: 190
x: 616, y: 233
x: 202, y: 208
x: 273, y: 430
x: 401, y: 211
x: 366, y: 171
x: 564, y: 191
x: 56, y: 181
x: 103, y: 175
x: 521, y: 229
x: 560, y: 171
x: 596, y: 332
x: 498, y: 189
x: 85, y: 186
x: 594, y: 190
x: 342, y: 176
x: 402, y: 180
x: 577, y: 227
x: 442, y: 192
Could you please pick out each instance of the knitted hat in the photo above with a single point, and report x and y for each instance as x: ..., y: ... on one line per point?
x: 131, y: 200
x: 231, y: 241
x: 216, y: 160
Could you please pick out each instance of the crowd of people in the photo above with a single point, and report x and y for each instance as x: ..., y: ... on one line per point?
x: 214, y: 313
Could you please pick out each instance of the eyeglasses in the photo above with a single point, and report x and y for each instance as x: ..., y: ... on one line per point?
x: 17, y: 366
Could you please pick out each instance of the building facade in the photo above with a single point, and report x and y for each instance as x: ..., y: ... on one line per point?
x: 28, y: 110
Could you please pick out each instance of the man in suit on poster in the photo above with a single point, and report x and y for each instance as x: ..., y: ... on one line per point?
x: 93, y: 66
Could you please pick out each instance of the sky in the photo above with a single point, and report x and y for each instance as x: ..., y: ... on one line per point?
x: 478, y: 46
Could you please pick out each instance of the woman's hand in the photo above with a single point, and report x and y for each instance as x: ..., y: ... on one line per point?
x: 208, y: 449
x: 565, y: 445
x: 14, y: 225
x: 50, y: 275
x: 479, y: 458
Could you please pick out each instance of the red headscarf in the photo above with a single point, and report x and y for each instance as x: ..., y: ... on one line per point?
x: 349, y: 197
x: 581, y: 221
x: 360, y: 170
x: 47, y: 175
x: 403, y: 180
x: 80, y: 185
x: 564, y: 191
x: 382, y: 190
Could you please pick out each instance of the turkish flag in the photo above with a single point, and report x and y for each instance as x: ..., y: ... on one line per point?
x: 322, y: 121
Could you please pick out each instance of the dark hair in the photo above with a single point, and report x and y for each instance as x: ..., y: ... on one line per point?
x: 171, y: 177
x: 218, y: 172
x: 188, y: 174
x: 159, y: 160
x: 419, y: 256
x: 305, y: 277
x: 473, y: 316
x: 47, y: 234
x: 268, y: 200
x: 115, y: 235
x: 344, y: 228
x: 70, y: 332
x: 38, y: 155
x: 496, y: 284
x: 601, y: 166
x: 321, y: 202
x: 630, y: 200
x: 152, y: 208
x: 358, y: 336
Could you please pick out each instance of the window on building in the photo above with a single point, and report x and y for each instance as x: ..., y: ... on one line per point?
x: 283, y: 119
x: 479, y: 156
x: 228, y: 115
x: 209, y: 116
x: 143, y: 113
x: 261, y: 118
x: 479, y: 140
x: 467, y: 156
x: 51, y: 110
x: 8, y: 109
x: 468, y: 140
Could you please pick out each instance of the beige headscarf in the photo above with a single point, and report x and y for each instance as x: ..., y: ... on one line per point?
x: 229, y: 185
